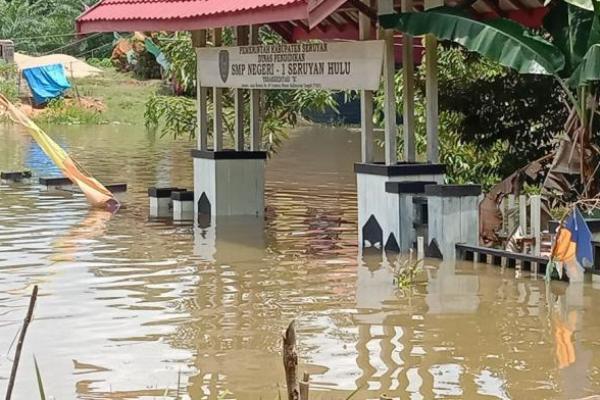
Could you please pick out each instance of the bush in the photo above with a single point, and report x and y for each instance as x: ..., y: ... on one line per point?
x: 9, y: 81
x: 105, y: 63
x: 60, y: 112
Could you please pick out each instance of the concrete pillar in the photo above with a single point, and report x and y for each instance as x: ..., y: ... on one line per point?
x: 229, y: 183
x: 161, y: 204
x: 379, y: 214
x: 183, y: 205
x: 453, y: 216
x: 7, y: 51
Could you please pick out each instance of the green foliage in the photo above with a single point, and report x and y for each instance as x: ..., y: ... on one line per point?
x: 104, y: 63
x: 468, y: 161
x: 9, y: 81
x: 38, y: 376
x: 59, y: 112
x: 502, y: 40
x: 176, y: 116
x: 406, y: 271
x: 39, y: 27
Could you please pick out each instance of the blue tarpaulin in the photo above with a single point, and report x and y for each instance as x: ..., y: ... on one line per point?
x: 46, y: 82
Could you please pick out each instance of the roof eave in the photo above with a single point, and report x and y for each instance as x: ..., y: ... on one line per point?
x: 296, y: 11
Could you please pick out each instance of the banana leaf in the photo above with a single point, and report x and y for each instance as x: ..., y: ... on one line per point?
x: 501, y: 40
x: 572, y: 29
x: 589, y: 69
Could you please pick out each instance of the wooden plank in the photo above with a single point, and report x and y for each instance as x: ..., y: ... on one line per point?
x: 485, y: 251
x: 366, y: 97
x: 536, y: 222
x: 199, y: 41
x: 217, y: 102
x: 511, y: 207
x: 242, y: 39
x: 290, y: 362
x: 523, y: 213
x: 408, y: 76
x: 255, y: 123
x: 389, y: 88
x: 431, y: 102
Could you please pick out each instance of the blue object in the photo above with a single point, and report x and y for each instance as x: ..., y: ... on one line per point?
x: 46, y: 82
x: 582, y: 237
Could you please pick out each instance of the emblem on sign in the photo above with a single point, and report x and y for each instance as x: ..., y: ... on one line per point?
x: 224, y: 65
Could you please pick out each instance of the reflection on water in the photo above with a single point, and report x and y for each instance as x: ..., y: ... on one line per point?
x: 129, y: 306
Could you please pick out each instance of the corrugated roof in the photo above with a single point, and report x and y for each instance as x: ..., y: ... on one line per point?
x: 171, y: 15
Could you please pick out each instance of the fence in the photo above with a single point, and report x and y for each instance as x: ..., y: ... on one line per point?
x: 522, y: 220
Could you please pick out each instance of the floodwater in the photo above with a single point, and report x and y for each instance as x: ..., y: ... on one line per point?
x: 130, y: 307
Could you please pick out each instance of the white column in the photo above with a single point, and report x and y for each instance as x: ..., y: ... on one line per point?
x: 217, y: 102
x: 238, y: 95
x: 199, y: 40
x: 389, y: 89
x: 408, y: 74
x: 255, y: 126
x: 366, y: 98
x: 431, y: 91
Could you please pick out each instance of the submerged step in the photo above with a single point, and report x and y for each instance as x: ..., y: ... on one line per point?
x: 161, y: 204
x: 183, y: 205
x: 15, y: 176
x: 62, y: 182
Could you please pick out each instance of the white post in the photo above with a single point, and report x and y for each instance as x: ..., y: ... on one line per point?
x: 238, y: 94
x: 511, y: 206
x: 199, y: 40
x: 431, y: 91
x: 408, y: 75
x: 366, y: 98
x: 255, y: 128
x: 217, y: 102
x: 420, y: 248
x: 523, y: 214
x: 389, y: 88
x: 536, y: 216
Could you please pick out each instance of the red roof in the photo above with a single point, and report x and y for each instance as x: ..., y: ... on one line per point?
x: 180, y: 15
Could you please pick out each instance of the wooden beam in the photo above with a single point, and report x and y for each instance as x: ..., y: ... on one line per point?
x: 366, y: 99
x: 389, y: 88
x: 241, y: 38
x: 431, y: 91
x: 255, y: 123
x: 408, y: 76
x: 431, y: 99
x: 217, y: 101
x: 199, y: 41
x: 364, y: 9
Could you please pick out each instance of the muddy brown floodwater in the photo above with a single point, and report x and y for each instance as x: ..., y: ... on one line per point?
x: 129, y: 306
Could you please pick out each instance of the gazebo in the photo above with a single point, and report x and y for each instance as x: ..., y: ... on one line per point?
x: 231, y: 182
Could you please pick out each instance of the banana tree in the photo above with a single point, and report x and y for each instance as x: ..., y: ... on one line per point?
x: 567, y: 48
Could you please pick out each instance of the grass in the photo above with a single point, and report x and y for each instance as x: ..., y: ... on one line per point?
x: 123, y: 95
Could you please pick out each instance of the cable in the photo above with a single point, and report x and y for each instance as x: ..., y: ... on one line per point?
x: 72, y: 43
x: 92, y: 50
x: 43, y: 37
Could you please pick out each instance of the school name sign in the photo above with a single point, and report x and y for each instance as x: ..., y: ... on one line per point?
x: 339, y: 65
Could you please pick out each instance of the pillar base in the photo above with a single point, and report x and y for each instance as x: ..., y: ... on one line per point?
x: 379, y: 212
x: 183, y: 205
x: 161, y: 204
x: 229, y: 183
x: 453, y: 216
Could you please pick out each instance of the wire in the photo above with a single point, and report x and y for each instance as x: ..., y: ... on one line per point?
x: 72, y: 43
x: 92, y: 50
x: 43, y: 37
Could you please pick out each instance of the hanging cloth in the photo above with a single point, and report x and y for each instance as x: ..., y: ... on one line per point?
x: 97, y: 195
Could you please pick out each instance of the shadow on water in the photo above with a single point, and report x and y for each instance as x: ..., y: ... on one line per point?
x: 128, y: 303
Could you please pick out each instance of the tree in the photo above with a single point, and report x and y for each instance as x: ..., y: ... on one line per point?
x: 568, y: 49
x: 176, y: 116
